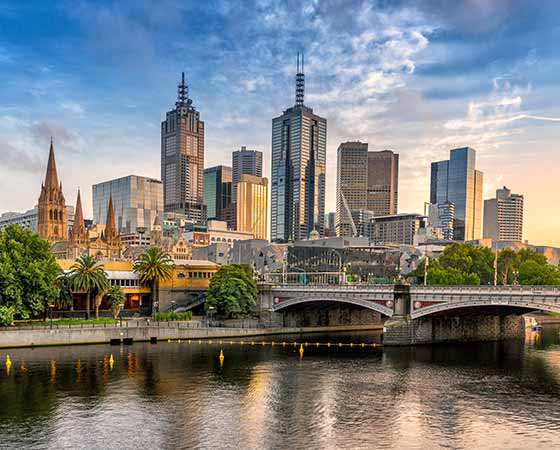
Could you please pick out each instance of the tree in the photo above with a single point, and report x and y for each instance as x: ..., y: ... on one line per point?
x: 535, y: 274
x: 508, y: 264
x: 468, y: 258
x: 116, y: 298
x: 64, y: 299
x: 232, y: 291
x: 28, y: 273
x: 154, y: 266
x: 88, y: 276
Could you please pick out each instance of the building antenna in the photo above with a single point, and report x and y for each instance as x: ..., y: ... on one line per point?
x: 300, y: 82
x: 183, y: 93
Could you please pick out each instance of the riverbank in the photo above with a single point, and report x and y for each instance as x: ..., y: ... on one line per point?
x: 77, y: 335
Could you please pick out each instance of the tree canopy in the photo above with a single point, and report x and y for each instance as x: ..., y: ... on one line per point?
x: 466, y: 264
x: 28, y: 274
x: 232, y: 291
x: 89, y: 276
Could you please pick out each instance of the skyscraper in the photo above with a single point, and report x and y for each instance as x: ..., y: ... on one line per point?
x: 247, y: 162
x: 503, y: 216
x: 137, y: 201
x: 182, y: 158
x: 52, y: 215
x: 299, y: 143
x: 217, y: 193
x: 457, y: 181
x: 252, y: 205
x: 366, y: 181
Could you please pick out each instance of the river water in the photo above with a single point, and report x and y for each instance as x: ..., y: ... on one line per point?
x: 177, y: 395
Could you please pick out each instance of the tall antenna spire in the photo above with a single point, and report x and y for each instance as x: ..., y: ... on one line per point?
x: 300, y: 82
x: 183, y: 93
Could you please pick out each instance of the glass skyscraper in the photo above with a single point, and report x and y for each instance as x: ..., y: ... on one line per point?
x: 136, y: 201
x: 182, y: 158
x: 457, y: 181
x: 299, y: 143
x: 217, y: 193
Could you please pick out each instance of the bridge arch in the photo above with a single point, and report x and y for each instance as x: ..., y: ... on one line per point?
x: 519, y: 305
x: 385, y: 310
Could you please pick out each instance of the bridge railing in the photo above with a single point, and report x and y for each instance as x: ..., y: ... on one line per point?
x: 554, y: 290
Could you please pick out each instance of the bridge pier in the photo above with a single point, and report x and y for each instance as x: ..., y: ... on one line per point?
x: 403, y: 330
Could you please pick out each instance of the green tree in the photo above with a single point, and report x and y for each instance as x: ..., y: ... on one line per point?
x: 28, y: 273
x: 468, y: 258
x: 535, y: 274
x: 64, y: 299
x: 116, y: 297
x: 232, y: 291
x: 508, y: 264
x: 154, y: 266
x: 88, y: 276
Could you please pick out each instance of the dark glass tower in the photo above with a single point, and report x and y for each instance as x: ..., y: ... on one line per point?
x: 299, y: 144
x: 217, y: 193
x: 182, y: 158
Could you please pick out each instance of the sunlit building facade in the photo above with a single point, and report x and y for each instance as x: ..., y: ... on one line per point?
x: 252, y: 206
x: 503, y: 216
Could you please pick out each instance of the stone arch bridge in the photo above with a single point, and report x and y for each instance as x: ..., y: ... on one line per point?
x: 422, y: 314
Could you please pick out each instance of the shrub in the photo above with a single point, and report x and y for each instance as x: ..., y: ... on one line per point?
x: 173, y: 316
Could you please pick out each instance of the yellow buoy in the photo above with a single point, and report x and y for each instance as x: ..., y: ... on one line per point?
x: 210, y: 341
x: 8, y: 364
x: 168, y: 340
x: 283, y: 344
x: 363, y: 344
x: 221, y: 357
x: 111, y: 361
x: 328, y: 344
x: 317, y: 344
x: 179, y: 341
x: 351, y: 344
x: 301, y: 351
x: 340, y: 344
x: 272, y: 344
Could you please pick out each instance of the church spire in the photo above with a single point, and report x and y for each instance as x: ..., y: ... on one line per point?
x: 51, y: 179
x: 110, y: 227
x: 300, y: 82
x: 79, y: 228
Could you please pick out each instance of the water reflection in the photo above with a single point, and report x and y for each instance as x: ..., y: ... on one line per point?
x: 171, y: 395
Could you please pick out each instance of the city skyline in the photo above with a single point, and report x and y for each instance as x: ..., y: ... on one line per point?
x: 405, y: 60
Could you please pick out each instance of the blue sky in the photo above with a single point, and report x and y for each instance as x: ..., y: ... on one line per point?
x: 418, y: 77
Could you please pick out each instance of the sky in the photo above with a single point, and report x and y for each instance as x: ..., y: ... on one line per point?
x: 419, y: 77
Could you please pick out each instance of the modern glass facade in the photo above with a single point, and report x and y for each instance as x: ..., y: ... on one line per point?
x: 457, y: 181
x: 136, y: 201
x: 252, y: 206
x: 299, y: 144
x: 217, y: 192
x: 245, y: 162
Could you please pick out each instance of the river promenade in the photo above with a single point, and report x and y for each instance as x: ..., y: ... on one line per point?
x: 141, y: 331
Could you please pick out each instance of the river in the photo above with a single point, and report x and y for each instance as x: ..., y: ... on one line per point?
x: 178, y: 395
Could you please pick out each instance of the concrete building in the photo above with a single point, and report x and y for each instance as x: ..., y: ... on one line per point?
x: 217, y: 194
x: 366, y: 181
x: 245, y: 162
x: 330, y: 221
x: 137, y: 201
x: 503, y: 216
x: 457, y: 181
x: 217, y: 231
x: 299, y: 144
x: 28, y: 219
x: 252, y: 206
x: 396, y: 229
x: 182, y: 158
x: 218, y: 253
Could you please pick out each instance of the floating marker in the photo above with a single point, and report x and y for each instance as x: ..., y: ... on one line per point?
x: 363, y: 344
x: 340, y: 344
x: 8, y: 364
x: 168, y: 340
x: 221, y: 357
x: 272, y: 344
x: 301, y: 351
x: 351, y: 345
x: 328, y: 344
x: 283, y: 344
x: 210, y: 341
x: 111, y: 362
x: 317, y: 344
x: 179, y: 341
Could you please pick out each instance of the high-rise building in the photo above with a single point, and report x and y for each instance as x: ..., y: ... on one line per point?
x: 366, y: 181
x: 51, y: 209
x: 245, y: 162
x: 252, y: 205
x: 457, y: 181
x: 503, y: 216
x: 330, y: 221
x: 383, y: 182
x: 136, y: 201
x: 397, y: 228
x: 182, y: 158
x: 442, y: 216
x: 299, y: 144
x: 217, y: 193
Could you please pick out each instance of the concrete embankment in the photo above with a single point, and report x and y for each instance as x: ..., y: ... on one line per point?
x: 75, y: 335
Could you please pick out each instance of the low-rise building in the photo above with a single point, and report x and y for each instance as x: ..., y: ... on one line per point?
x: 396, y: 229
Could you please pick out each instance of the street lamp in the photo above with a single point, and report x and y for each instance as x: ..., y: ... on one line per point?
x: 51, y: 306
x: 211, y: 312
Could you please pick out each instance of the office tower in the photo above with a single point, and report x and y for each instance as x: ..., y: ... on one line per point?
x: 252, y: 205
x: 383, y: 182
x: 247, y: 162
x: 51, y: 209
x: 136, y: 200
x: 397, y: 228
x: 442, y: 216
x: 299, y: 143
x: 330, y: 220
x: 217, y: 193
x: 182, y: 158
x: 457, y: 181
x: 503, y: 216
x: 366, y: 181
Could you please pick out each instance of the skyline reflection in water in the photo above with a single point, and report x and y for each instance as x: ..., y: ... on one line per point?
x: 171, y: 395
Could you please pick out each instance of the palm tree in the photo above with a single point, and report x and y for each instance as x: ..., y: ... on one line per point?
x: 88, y: 276
x: 116, y: 298
x: 64, y: 298
x: 154, y: 266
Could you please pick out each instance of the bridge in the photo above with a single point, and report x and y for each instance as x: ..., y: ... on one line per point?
x: 411, y: 314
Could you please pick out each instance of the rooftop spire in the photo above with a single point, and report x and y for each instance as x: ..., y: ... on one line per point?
x: 183, y: 93
x: 110, y: 227
x: 51, y: 179
x: 300, y: 81
x: 79, y: 228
